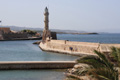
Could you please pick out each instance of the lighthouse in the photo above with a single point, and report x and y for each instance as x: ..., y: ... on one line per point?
x: 46, y: 31
x: 46, y: 19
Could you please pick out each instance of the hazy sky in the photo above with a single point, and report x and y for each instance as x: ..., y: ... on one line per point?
x: 83, y: 15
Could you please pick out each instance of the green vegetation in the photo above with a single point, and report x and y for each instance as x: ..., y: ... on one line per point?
x: 30, y: 32
x: 101, y: 67
x: 115, y: 56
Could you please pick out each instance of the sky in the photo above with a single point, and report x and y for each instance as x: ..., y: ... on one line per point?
x: 81, y: 15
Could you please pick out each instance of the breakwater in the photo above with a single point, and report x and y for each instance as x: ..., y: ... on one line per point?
x: 16, y: 65
x: 75, y: 48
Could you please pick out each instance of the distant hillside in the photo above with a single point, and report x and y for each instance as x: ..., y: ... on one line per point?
x: 16, y: 28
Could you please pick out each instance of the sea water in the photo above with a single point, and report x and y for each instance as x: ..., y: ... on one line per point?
x: 26, y: 51
x: 99, y: 38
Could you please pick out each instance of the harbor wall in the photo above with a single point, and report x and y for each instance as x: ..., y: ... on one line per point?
x: 9, y: 36
x: 5, y: 29
x: 6, y: 34
x: 17, y: 65
x: 75, y: 48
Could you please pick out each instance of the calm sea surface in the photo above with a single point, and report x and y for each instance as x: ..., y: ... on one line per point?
x: 26, y: 51
x: 101, y: 38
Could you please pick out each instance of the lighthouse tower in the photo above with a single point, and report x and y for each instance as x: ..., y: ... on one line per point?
x: 46, y: 19
x: 46, y: 31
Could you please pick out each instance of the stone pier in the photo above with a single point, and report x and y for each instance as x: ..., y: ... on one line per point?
x: 18, y: 65
x: 76, y: 48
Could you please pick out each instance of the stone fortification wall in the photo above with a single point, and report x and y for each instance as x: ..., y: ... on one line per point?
x: 54, y: 35
x: 9, y: 36
x: 5, y: 29
x: 1, y: 36
x: 75, y: 48
x: 6, y: 34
